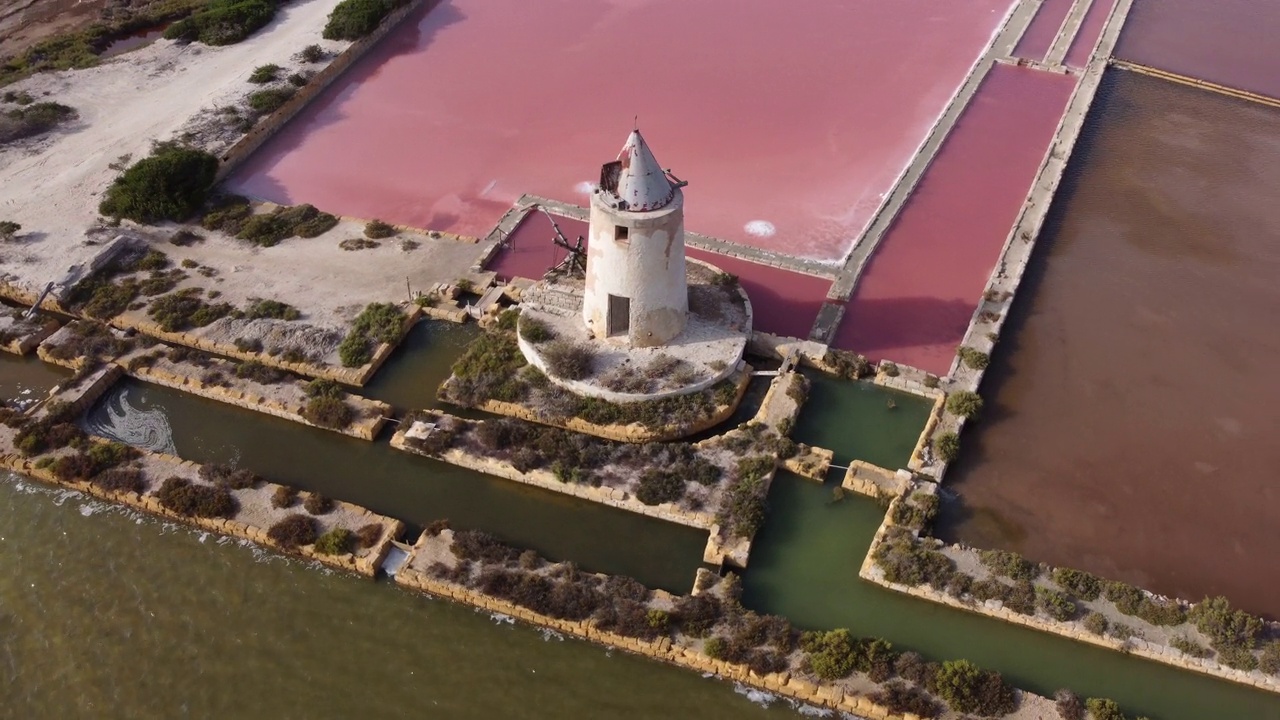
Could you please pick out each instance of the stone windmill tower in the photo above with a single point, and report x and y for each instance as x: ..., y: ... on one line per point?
x: 636, y: 285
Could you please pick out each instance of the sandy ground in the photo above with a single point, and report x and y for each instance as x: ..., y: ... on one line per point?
x: 52, y: 185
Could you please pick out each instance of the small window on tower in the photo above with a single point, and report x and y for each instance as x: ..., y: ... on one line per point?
x: 621, y: 232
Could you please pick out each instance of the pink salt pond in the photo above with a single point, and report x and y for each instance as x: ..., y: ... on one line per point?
x: 784, y: 303
x: 920, y: 288
x: 790, y: 126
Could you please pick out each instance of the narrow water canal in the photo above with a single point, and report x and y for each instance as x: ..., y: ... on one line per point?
x: 804, y: 566
x: 861, y: 421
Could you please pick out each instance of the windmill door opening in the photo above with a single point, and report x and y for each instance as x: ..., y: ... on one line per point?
x: 619, y: 315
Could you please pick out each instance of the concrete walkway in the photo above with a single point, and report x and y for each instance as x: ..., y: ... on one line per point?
x: 1000, y: 48
x: 1067, y: 33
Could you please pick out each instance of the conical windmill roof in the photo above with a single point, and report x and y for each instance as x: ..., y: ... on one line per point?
x: 642, y: 184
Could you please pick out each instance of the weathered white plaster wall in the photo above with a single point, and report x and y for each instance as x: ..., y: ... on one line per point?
x: 648, y: 268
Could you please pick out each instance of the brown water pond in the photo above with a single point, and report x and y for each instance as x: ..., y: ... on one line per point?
x: 1132, y: 406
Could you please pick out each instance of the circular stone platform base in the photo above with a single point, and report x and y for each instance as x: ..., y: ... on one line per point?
x: 709, y: 349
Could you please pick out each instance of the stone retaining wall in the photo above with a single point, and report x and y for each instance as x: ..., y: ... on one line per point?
x: 26, y: 343
x: 870, y: 572
x: 665, y: 650
x: 366, y: 563
x: 347, y: 376
x: 548, y: 481
x: 633, y: 433
x: 269, y: 126
x: 371, y: 415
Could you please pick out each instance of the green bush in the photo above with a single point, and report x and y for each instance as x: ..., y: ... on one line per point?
x: 1127, y: 598
x: 170, y: 184
x: 1010, y: 565
x: 268, y: 100
x: 965, y: 403
x: 260, y: 308
x: 916, y: 511
x: 1269, y: 662
x: 890, y: 369
x: 223, y: 22
x: 328, y: 412
x: 33, y: 120
x: 353, y: 19
x: 828, y: 654
x: 742, y: 509
x: 338, y: 541
x: 535, y: 331
x: 322, y: 387
x: 1055, y: 604
x: 947, y: 446
x: 906, y: 562
x: 1190, y: 647
x: 1161, y: 612
x: 658, y: 486
x: 8, y: 229
x: 293, y: 531
x: 715, y: 648
x: 1083, y: 585
x: 973, y: 358
x: 966, y: 688
x: 846, y: 364
x: 355, y: 351
x: 1103, y: 709
x: 264, y: 74
x: 382, y: 322
x: 1225, y: 627
x: 184, y: 309
x: 187, y: 498
x: 377, y: 230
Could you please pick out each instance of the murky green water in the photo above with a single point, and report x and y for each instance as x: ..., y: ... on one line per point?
x: 861, y: 421
x: 27, y: 379
x: 410, y: 377
x: 804, y: 565
x: 415, y: 489
x: 115, y: 615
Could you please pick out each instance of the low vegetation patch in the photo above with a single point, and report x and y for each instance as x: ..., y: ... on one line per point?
x: 1081, y: 584
x: 947, y: 446
x: 338, y: 541
x: 378, y: 230
x: 284, y: 496
x: 567, y: 360
x: 229, y: 477
x: 32, y: 120
x: 223, y: 22
x: 742, y: 510
x: 848, y: 365
x: 377, y: 323
x: 259, y: 308
x: 294, y: 531
x: 90, y: 340
x: 916, y: 511
x: 966, y: 688
x: 318, y: 504
x: 268, y: 100
x: 170, y: 184
x: 965, y: 403
x: 264, y: 74
x: 1010, y: 565
x: 973, y: 358
x: 269, y: 229
x: 185, y: 309
x: 194, y: 500
x: 354, y: 19
x: 535, y: 331
x: 329, y: 412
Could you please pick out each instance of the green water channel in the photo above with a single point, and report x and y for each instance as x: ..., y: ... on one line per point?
x: 861, y: 421
x: 25, y: 379
x: 804, y: 565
